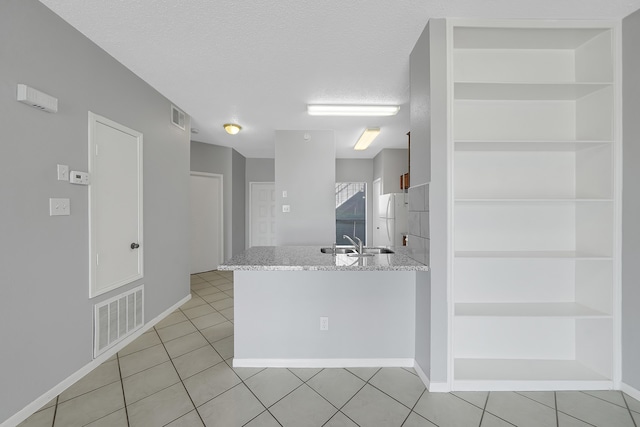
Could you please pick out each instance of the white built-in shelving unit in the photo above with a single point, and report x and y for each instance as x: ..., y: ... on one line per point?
x: 534, y: 149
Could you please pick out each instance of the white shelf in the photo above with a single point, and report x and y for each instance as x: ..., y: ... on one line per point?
x: 533, y: 118
x: 531, y: 255
x: 485, y: 145
x: 532, y: 200
x: 554, y: 309
x: 523, y: 374
x: 523, y: 38
x: 525, y: 91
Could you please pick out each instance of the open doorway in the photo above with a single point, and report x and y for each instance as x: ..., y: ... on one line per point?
x: 351, y: 211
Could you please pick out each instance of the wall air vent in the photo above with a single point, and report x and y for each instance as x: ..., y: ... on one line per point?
x: 177, y: 117
x: 36, y: 99
x: 117, y: 318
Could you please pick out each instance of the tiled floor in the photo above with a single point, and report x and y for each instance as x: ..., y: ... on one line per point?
x: 179, y: 374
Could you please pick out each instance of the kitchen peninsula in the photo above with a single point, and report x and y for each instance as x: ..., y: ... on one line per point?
x: 367, y: 305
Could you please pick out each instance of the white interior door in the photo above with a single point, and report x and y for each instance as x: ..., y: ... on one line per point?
x: 115, y: 199
x: 262, y: 212
x: 206, y: 227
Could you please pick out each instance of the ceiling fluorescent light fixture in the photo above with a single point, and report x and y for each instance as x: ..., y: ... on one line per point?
x: 353, y: 110
x: 232, y: 128
x: 366, y: 138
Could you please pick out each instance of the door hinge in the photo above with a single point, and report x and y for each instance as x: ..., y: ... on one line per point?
x: 97, y: 259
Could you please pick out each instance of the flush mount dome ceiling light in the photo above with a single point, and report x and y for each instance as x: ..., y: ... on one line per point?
x: 232, y: 128
x: 366, y: 138
x: 353, y: 110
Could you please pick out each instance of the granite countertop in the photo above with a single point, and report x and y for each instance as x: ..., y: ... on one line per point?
x: 295, y: 258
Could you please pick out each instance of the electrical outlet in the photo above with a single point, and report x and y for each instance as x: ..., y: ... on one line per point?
x: 286, y: 208
x: 59, y: 207
x: 324, y: 323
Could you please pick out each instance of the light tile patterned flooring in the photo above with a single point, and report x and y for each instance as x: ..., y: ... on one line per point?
x: 179, y: 374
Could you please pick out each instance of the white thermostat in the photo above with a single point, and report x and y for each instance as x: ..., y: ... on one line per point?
x: 80, y: 178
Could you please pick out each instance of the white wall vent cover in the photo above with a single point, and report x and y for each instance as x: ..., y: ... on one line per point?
x: 117, y: 318
x: 177, y: 117
x: 36, y: 99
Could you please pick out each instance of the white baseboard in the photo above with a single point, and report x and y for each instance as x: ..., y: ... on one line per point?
x: 322, y: 363
x: 631, y: 391
x: 32, y: 407
x: 432, y: 387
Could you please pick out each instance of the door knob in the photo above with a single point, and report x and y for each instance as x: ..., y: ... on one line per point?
x: 135, y: 246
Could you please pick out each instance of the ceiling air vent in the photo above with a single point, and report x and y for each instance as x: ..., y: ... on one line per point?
x: 177, y: 117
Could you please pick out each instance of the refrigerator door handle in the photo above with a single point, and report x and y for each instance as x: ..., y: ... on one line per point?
x: 389, y: 233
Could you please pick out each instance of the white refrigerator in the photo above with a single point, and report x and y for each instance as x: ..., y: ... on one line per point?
x: 391, y: 220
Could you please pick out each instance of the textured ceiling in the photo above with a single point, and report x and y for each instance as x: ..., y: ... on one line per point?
x: 259, y: 63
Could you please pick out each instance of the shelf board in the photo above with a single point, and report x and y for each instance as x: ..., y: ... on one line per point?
x: 555, y: 309
x: 479, y: 91
x: 522, y: 38
x: 526, y: 374
x: 484, y: 145
x: 531, y: 200
x: 531, y: 255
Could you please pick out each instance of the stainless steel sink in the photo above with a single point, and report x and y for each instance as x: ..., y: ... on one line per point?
x: 338, y: 250
x: 375, y: 251
x: 350, y: 251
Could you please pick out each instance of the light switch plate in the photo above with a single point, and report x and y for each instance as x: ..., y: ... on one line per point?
x: 284, y: 193
x: 63, y: 173
x: 59, y: 207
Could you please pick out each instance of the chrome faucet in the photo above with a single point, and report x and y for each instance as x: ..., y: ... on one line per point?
x: 357, y: 246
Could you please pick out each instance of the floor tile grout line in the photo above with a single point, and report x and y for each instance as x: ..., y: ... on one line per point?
x: 183, y: 386
x: 633, y: 420
x: 555, y: 403
x: 124, y: 397
x: 604, y: 400
x: 519, y: 393
x: 340, y: 412
x: 576, y: 418
x: 82, y: 394
x: 384, y: 392
x: 500, y: 418
x: 484, y: 408
x: 266, y: 408
x: 414, y: 405
x: 471, y: 403
x: 55, y: 411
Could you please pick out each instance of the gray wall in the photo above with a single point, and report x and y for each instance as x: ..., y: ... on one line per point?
x: 238, y: 188
x: 371, y: 314
x: 420, y: 109
x: 45, y: 310
x: 631, y: 202
x: 438, y: 201
x: 261, y: 170
x: 230, y: 164
x: 429, y: 203
x: 257, y: 170
x: 388, y: 165
x: 307, y: 171
x: 420, y: 158
x: 359, y: 170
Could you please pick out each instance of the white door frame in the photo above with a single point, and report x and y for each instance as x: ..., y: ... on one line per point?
x: 221, y: 222
x: 251, y: 183
x: 94, y: 119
